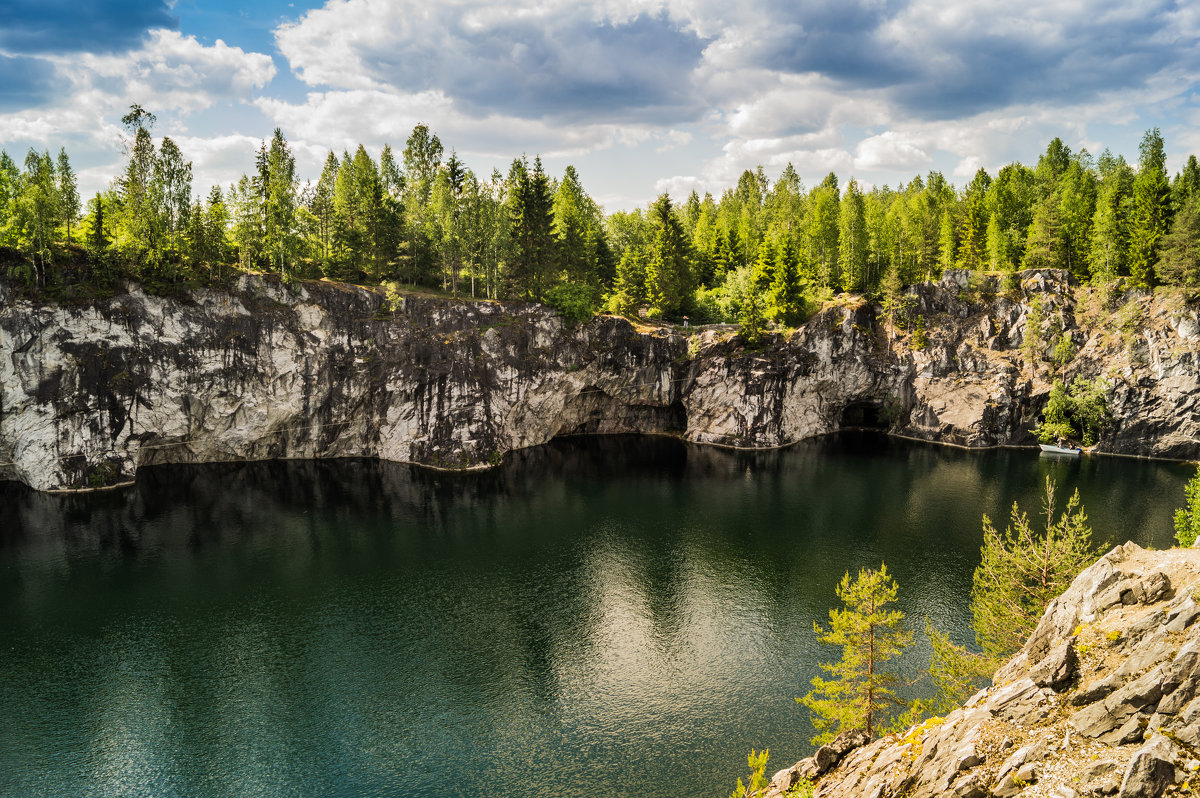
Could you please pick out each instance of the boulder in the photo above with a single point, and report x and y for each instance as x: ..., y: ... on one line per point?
x: 1151, y: 770
x: 1057, y: 668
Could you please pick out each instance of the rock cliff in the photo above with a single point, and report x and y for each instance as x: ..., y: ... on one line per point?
x: 1104, y: 699
x: 91, y: 392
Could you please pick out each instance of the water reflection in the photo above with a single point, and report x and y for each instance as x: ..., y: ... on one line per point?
x: 602, y: 616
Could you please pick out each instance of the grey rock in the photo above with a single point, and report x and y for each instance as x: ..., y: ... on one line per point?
x: 1013, y: 783
x: 972, y: 786
x: 1058, y: 667
x: 310, y: 370
x: 830, y: 754
x: 1021, y: 701
x: 1151, y: 770
x: 785, y: 779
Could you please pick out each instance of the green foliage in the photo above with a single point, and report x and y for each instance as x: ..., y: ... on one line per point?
x: 859, y: 692
x: 956, y: 674
x: 427, y: 220
x: 1187, y: 519
x: 1032, y: 342
x: 575, y: 303
x: 1151, y: 210
x: 1076, y: 412
x: 801, y: 789
x: 920, y: 338
x: 756, y: 782
x: 750, y: 320
x: 1021, y: 571
x: 535, y: 254
x: 1063, y: 352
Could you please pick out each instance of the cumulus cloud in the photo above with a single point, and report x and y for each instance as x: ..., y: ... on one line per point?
x: 561, y: 60
x: 343, y: 119
x: 883, y: 89
x: 940, y: 60
x: 890, y: 151
x: 170, y: 74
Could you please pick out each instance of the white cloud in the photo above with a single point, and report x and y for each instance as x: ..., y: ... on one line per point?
x: 170, y: 74
x: 890, y: 151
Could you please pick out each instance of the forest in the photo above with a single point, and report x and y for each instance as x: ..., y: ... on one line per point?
x: 764, y: 252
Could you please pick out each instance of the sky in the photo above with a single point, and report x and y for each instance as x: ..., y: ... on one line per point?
x: 641, y: 96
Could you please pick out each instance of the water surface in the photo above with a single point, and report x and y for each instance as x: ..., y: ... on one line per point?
x: 598, y: 617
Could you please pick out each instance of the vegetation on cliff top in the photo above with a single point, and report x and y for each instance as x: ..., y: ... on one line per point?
x: 762, y: 252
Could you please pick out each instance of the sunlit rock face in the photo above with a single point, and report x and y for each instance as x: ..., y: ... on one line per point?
x: 1103, y: 699
x: 89, y: 393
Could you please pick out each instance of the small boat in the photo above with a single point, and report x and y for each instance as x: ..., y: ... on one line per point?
x: 1063, y: 450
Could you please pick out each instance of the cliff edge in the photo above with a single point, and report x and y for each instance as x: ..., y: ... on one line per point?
x: 1104, y: 699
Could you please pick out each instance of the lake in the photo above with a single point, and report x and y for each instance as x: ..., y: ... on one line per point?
x: 616, y: 616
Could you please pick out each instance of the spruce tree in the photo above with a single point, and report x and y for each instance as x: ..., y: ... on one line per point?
x: 68, y: 191
x: 535, y: 262
x: 1151, y: 206
x: 1179, y: 263
x: 859, y: 692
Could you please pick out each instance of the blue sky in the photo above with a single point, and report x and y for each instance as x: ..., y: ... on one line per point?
x: 642, y: 96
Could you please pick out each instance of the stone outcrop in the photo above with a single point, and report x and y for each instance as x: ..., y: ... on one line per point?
x: 1104, y: 699
x: 91, y: 392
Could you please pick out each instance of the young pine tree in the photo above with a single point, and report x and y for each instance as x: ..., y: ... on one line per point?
x: 756, y: 783
x: 859, y: 692
x: 1187, y: 519
x: 1019, y: 574
x: 1021, y: 571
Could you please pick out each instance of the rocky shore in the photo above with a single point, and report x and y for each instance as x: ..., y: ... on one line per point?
x: 1104, y: 699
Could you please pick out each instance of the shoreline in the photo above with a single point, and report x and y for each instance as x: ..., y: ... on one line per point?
x: 485, y: 467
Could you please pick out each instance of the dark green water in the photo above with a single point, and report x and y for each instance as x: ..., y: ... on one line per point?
x: 597, y: 617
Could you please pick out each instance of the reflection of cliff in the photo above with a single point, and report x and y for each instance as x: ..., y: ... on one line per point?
x: 582, y: 604
x: 90, y: 394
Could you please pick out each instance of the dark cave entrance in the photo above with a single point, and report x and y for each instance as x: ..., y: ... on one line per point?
x: 863, y: 415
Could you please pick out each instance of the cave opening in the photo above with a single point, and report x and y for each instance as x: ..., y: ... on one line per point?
x: 863, y: 415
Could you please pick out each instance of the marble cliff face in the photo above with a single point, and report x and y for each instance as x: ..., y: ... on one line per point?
x: 89, y: 393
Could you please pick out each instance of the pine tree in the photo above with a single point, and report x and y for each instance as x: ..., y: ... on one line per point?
x: 1187, y: 519
x: 97, y: 237
x: 973, y: 233
x: 786, y: 297
x: 1019, y: 574
x: 279, y: 202
x: 946, y: 241
x: 1021, y: 571
x: 535, y: 257
x: 1109, y: 236
x: 668, y: 269
x: 860, y: 692
x: 756, y: 783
